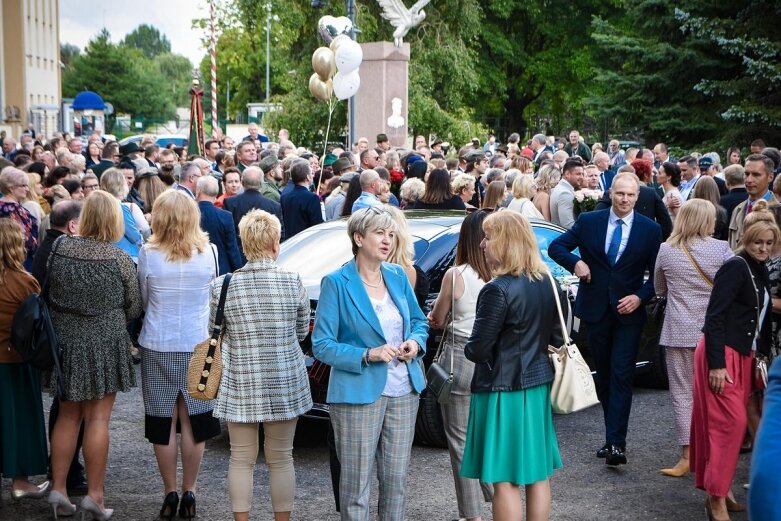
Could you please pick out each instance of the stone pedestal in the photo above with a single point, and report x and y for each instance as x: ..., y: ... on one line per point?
x: 384, y: 76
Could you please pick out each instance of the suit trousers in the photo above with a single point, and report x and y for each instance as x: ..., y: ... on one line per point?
x: 614, y: 348
x: 380, y: 432
x: 470, y: 493
x: 278, y: 450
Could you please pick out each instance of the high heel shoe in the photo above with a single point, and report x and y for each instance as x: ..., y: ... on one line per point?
x: 187, y: 505
x: 169, y: 506
x: 709, y: 512
x: 40, y: 491
x: 679, y: 470
x: 61, y: 506
x: 88, y: 505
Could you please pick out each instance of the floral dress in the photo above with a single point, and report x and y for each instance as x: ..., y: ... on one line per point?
x: 28, y: 222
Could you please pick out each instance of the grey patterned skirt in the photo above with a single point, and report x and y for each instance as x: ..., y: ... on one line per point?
x: 163, y: 379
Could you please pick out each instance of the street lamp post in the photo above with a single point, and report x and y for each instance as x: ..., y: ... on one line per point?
x: 268, y: 49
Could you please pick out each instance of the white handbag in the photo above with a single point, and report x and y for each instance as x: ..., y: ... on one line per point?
x: 573, y: 386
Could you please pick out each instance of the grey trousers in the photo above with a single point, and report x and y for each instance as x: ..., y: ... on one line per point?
x: 470, y: 493
x: 380, y: 432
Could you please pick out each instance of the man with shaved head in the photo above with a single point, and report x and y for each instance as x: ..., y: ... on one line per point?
x: 371, y: 184
x: 241, y: 204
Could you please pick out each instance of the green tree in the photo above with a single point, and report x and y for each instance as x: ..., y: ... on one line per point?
x: 67, y: 53
x: 148, y: 40
x: 176, y: 72
x: 120, y: 75
x: 747, y: 46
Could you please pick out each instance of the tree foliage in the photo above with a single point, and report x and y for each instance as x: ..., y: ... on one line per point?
x: 67, y: 53
x: 121, y: 75
x: 148, y: 40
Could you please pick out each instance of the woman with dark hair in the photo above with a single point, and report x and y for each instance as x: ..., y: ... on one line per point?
x: 733, y: 156
x: 231, y: 181
x: 74, y: 189
x: 353, y: 192
x: 471, y: 272
x: 707, y: 189
x: 56, y: 176
x: 439, y: 194
x: 669, y: 177
x: 93, y: 154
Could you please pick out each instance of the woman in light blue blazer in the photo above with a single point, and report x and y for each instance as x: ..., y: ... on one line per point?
x: 371, y: 331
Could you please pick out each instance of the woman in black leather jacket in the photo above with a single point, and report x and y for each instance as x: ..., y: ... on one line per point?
x: 510, y: 438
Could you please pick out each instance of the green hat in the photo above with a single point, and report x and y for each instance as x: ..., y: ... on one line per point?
x: 382, y: 138
x: 329, y: 159
x: 129, y: 148
x: 268, y: 163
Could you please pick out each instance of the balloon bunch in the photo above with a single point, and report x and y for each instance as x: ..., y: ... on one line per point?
x: 336, y: 66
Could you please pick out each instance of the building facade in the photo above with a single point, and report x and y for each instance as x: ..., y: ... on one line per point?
x: 30, y: 90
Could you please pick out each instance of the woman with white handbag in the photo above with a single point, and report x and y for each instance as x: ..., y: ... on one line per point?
x: 454, y: 311
x: 510, y: 438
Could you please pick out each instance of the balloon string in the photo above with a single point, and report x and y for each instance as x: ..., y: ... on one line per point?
x: 331, y: 107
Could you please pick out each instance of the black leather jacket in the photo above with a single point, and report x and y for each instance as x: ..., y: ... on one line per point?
x: 516, y: 320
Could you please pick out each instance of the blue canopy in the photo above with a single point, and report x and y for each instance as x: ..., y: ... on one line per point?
x: 88, y: 100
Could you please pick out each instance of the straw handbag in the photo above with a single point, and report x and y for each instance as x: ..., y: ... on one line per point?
x: 205, y: 370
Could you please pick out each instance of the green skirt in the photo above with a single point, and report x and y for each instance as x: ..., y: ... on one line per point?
x: 510, y: 437
x: 23, y: 450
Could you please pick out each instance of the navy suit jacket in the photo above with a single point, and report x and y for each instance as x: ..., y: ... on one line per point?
x: 608, y: 283
x: 222, y: 233
x: 300, y: 209
x: 241, y: 204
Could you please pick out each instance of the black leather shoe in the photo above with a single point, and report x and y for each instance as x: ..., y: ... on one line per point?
x: 168, y: 511
x: 601, y: 453
x: 187, y: 505
x: 616, y: 456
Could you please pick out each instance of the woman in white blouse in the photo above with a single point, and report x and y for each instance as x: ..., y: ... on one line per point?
x: 523, y: 193
x: 175, y: 269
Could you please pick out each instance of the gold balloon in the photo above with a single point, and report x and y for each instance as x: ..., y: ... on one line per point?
x: 336, y: 42
x: 324, y: 63
x: 322, y: 90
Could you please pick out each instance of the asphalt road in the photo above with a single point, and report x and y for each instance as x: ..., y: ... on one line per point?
x: 584, y: 490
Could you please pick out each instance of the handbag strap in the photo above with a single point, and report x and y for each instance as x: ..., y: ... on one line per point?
x: 49, y: 264
x: 221, y: 307
x: 558, y: 308
x: 696, y: 266
x: 453, y: 317
x: 216, y: 264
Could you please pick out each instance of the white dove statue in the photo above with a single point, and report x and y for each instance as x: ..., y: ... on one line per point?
x: 401, y: 18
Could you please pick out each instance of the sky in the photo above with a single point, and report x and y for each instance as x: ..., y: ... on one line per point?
x: 80, y: 20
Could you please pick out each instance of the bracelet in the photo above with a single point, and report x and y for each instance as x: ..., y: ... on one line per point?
x: 365, y: 359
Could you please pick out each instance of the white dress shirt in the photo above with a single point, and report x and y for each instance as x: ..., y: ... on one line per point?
x: 625, y: 231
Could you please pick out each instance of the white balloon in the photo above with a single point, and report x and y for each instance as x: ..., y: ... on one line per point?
x: 343, y: 25
x: 346, y: 85
x: 349, y: 56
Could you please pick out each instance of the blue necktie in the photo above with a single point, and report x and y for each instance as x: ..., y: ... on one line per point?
x: 615, y: 242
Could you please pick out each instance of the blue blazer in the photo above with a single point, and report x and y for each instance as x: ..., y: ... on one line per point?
x: 346, y: 325
x: 222, y: 233
x: 608, y: 283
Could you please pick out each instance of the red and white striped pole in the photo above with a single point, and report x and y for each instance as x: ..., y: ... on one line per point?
x: 213, y: 53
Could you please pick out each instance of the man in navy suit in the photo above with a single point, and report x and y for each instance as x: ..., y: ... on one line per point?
x: 617, y: 247
x: 251, y: 199
x: 219, y: 225
x: 300, y: 207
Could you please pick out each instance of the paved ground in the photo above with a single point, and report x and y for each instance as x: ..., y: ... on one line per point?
x: 584, y: 490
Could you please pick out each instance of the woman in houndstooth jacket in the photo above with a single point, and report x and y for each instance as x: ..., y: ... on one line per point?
x: 264, y: 377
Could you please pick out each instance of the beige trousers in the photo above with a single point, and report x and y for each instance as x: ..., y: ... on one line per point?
x: 278, y: 450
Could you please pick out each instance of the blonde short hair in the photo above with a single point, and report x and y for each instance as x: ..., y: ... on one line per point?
x: 101, y: 217
x: 760, y: 220
x: 522, y: 186
x: 461, y: 182
x: 412, y: 189
x: 367, y: 220
x: 176, y: 222
x: 514, y: 246
x: 259, y: 231
x: 113, y: 182
x: 695, y: 220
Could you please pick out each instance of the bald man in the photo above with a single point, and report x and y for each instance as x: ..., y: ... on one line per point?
x: 371, y: 185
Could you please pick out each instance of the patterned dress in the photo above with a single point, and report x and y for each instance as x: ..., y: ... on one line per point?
x: 93, y: 294
x: 28, y: 222
x: 774, y: 273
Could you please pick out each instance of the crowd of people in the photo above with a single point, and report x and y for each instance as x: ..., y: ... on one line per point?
x: 161, y: 237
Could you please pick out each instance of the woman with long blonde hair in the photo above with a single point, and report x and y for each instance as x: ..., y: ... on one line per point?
x: 402, y: 253
x: 547, y: 177
x: 175, y: 268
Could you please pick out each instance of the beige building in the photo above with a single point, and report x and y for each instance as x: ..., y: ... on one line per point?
x: 30, y: 92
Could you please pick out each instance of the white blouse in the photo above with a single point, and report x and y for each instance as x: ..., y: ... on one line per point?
x: 398, y: 383
x: 176, y: 299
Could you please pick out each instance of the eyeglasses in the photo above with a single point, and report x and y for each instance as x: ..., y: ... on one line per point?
x: 90, y: 187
